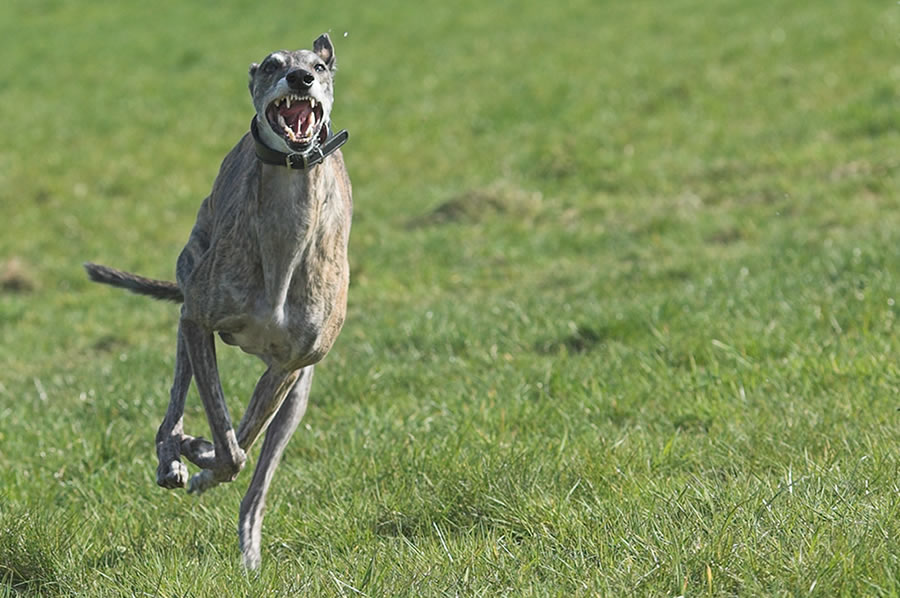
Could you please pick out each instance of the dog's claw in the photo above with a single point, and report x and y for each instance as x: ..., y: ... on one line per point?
x: 175, y: 476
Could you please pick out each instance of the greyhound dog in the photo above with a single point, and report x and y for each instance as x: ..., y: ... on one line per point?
x: 266, y: 268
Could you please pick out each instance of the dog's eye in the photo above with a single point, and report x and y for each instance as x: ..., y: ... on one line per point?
x: 272, y: 64
x: 320, y: 68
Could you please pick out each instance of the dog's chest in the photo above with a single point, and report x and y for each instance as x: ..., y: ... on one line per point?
x: 275, y: 336
x: 293, y: 329
x: 273, y: 280
x: 284, y: 302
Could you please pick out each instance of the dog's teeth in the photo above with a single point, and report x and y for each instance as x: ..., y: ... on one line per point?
x: 288, y: 101
x: 281, y: 121
x: 312, y: 102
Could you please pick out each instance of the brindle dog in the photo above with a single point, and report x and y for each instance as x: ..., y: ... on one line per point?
x: 266, y: 268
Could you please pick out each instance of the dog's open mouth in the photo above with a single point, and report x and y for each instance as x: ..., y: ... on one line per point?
x: 298, y: 119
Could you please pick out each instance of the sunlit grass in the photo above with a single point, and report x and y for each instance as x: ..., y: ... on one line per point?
x: 622, y: 318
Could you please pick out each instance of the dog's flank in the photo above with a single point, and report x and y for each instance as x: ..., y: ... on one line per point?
x: 158, y: 289
x: 266, y: 268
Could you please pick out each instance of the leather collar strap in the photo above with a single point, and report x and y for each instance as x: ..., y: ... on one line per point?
x: 298, y: 161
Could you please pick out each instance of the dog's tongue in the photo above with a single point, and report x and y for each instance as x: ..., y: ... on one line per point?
x: 296, y: 116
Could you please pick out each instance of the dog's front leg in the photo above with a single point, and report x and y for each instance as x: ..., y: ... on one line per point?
x: 229, y: 457
x: 267, y: 397
x: 171, y: 472
x: 280, y: 431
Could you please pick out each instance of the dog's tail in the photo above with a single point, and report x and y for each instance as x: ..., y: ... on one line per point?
x: 158, y: 289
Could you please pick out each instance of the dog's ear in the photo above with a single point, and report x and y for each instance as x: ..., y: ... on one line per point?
x: 322, y: 46
x: 252, y: 72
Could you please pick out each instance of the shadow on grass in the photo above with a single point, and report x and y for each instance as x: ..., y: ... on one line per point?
x: 584, y: 338
x: 461, y: 518
x: 31, y: 542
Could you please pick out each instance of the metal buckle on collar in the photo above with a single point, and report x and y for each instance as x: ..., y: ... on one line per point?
x: 295, y: 161
x: 292, y: 160
x: 306, y: 160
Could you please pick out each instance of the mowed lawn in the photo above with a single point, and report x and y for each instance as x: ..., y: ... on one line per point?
x: 622, y: 316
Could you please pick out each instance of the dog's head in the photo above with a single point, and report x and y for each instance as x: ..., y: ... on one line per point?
x: 293, y: 93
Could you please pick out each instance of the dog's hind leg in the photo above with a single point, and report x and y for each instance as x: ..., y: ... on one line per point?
x: 268, y: 396
x: 279, y: 432
x: 171, y: 472
x: 229, y: 457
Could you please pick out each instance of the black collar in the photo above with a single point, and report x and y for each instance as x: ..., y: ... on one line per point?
x: 298, y: 161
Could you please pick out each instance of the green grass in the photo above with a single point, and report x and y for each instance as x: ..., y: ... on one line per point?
x: 622, y: 319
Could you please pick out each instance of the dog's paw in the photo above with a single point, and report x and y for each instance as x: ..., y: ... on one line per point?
x: 251, y: 559
x: 172, y: 475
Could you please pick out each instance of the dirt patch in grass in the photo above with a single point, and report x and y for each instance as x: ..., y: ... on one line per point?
x: 16, y: 276
x: 474, y: 205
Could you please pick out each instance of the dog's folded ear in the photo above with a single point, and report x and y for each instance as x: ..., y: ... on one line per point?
x: 322, y: 46
x: 252, y: 72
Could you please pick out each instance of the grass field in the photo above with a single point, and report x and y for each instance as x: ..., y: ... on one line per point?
x: 622, y: 318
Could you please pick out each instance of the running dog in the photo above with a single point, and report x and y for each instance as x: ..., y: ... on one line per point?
x: 266, y: 268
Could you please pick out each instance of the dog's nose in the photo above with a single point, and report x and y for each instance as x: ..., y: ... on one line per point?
x: 300, y: 79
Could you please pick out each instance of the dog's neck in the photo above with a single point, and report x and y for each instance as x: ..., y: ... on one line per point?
x: 324, y: 146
